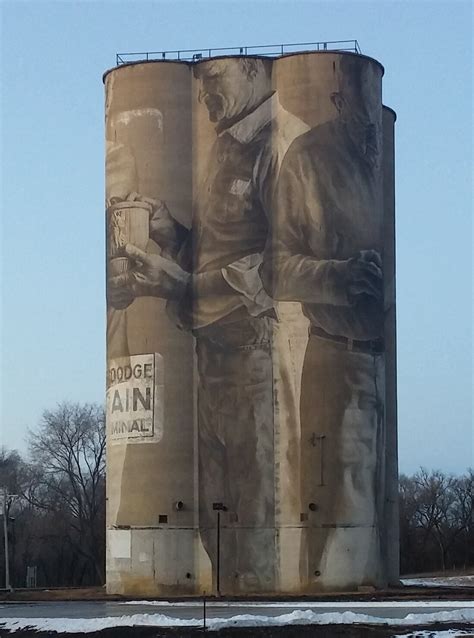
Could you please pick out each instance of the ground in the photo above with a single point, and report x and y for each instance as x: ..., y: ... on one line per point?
x: 454, y: 593
x: 321, y: 631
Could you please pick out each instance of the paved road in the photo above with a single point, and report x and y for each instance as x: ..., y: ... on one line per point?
x: 188, y: 610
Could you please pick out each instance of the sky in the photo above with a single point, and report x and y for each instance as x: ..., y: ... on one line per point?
x: 52, y: 279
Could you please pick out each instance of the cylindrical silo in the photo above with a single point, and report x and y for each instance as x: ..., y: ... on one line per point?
x: 326, y: 253
x: 251, y: 404
x: 150, y: 399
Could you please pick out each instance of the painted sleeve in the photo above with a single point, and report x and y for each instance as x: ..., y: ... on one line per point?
x: 243, y: 276
x: 291, y: 270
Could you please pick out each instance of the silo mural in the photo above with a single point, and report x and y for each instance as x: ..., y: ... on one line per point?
x: 247, y: 292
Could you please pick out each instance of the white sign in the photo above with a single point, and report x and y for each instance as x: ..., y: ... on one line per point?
x: 119, y: 543
x: 135, y: 390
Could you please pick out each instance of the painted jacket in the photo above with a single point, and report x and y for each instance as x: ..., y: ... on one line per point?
x: 233, y: 210
x: 328, y: 208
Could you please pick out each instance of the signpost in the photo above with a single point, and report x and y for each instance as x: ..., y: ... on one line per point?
x: 218, y: 507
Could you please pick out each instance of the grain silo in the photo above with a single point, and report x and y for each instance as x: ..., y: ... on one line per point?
x: 251, y: 391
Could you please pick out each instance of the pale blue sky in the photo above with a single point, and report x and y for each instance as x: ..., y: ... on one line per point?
x: 53, y: 310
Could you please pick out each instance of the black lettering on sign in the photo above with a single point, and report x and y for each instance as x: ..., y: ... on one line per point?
x: 147, y: 370
x: 121, y: 401
x: 144, y: 400
x: 137, y: 371
x: 126, y: 427
x: 117, y: 403
x: 127, y: 372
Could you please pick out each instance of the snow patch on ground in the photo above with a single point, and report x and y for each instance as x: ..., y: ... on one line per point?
x: 449, y: 633
x: 317, y: 604
x: 307, y: 617
x: 88, y: 625
x: 444, y: 581
x: 296, y: 617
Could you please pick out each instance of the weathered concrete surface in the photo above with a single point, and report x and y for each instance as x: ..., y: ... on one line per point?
x: 268, y: 188
x: 147, y: 476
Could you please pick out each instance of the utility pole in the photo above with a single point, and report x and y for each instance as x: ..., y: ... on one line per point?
x: 6, y: 500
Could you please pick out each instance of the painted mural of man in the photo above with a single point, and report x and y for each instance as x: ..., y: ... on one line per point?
x: 122, y: 179
x: 211, y: 277
x: 122, y: 184
x: 326, y: 253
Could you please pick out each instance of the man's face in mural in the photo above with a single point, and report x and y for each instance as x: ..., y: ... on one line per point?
x: 230, y: 87
x: 357, y: 103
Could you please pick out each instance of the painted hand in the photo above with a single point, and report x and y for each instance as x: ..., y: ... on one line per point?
x: 164, y: 230
x: 119, y: 294
x: 151, y: 275
x: 364, y: 275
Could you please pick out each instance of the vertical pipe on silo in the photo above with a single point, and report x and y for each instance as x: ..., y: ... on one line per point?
x: 392, y: 510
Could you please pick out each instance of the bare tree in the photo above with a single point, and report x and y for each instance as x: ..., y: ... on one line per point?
x: 436, y: 520
x: 435, y: 509
x: 67, y: 475
x: 463, y: 489
x: 408, y: 524
x: 11, y: 465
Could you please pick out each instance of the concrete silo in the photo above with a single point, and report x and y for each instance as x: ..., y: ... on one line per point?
x: 251, y: 412
x: 150, y: 404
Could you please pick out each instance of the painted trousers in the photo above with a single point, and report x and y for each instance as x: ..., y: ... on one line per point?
x: 343, y: 452
x: 236, y: 450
